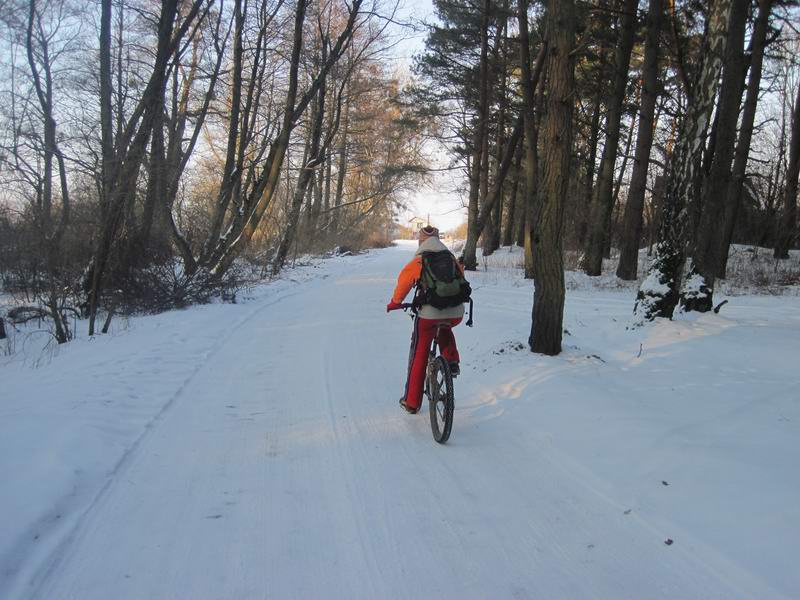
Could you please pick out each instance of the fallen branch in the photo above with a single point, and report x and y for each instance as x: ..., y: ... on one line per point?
x: 23, y: 314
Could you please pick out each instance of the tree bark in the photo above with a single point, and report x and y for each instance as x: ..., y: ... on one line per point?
x: 594, y: 139
x: 511, y: 213
x: 787, y: 231
x: 341, y: 171
x: 494, y: 219
x: 610, y: 226
x: 548, y: 300
x: 477, y: 160
x: 230, y: 175
x: 530, y: 131
x: 634, y: 207
x: 602, y: 203
x: 709, y: 235
x: 306, y: 176
x: 658, y: 294
x: 106, y: 130
x: 49, y: 235
x: 734, y: 192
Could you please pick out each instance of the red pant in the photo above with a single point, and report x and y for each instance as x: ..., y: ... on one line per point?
x: 421, y: 338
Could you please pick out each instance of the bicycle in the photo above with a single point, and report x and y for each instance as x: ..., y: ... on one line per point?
x: 438, y: 386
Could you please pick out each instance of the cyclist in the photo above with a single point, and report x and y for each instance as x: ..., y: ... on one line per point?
x: 427, y: 319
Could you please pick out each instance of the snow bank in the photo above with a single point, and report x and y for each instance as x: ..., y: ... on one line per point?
x: 751, y: 270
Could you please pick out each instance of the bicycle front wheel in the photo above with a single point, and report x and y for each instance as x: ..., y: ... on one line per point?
x: 441, y: 399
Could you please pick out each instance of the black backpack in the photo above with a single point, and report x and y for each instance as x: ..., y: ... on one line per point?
x: 441, y: 283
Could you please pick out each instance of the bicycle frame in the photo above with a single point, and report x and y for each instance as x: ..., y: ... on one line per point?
x: 435, y: 346
x: 440, y: 404
x: 439, y: 326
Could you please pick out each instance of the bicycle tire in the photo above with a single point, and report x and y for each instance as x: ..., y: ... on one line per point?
x: 441, y: 399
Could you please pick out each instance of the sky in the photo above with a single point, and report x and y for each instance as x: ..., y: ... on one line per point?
x: 438, y: 199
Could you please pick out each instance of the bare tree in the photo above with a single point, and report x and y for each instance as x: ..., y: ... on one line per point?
x: 41, y: 65
x: 126, y: 159
x: 245, y: 221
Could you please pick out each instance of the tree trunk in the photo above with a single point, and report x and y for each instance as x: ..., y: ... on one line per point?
x: 634, y: 206
x: 548, y: 298
x: 490, y: 200
x: 787, y: 231
x: 531, y: 135
x: 511, y: 213
x: 611, y: 225
x: 477, y: 161
x: 106, y: 130
x: 341, y: 170
x: 532, y: 179
x: 306, y: 177
x: 494, y: 219
x: 602, y: 203
x: 328, y: 160
x: 709, y: 235
x: 734, y: 192
x: 492, y: 225
x: 155, y: 191
x: 658, y: 294
x: 497, y: 219
x: 521, y: 225
x: 230, y: 175
x: 594, y: 139
x: 49, y: 236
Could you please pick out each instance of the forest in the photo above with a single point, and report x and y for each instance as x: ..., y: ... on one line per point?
x: 158, y: 154
x: 220, y: 220
x: 153, y: 150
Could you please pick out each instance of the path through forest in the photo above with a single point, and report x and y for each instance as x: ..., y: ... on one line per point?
x: 284, y: 468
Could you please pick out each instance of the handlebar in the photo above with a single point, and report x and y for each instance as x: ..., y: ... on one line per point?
x: 404, y: 306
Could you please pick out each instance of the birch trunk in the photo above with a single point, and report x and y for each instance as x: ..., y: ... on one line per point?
x: 659, y: 292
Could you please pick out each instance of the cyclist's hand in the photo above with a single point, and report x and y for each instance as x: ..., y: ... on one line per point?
x: 393, y: 306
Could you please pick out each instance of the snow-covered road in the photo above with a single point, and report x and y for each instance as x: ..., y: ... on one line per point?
x: 280, y: 465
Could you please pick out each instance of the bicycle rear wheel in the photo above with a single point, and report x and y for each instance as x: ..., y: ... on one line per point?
x: 440, y: 399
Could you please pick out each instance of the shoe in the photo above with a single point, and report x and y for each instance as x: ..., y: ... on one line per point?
x: 407, y: 408
x: 455, y: 370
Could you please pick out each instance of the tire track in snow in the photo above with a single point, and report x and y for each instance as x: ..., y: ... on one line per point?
x: 60, y: 550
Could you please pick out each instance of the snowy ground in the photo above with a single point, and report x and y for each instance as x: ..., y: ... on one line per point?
x: 257, y: 450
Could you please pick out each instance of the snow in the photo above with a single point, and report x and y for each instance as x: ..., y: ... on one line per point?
x: 652, y: 285
x: 693, y: 286
x: 256, y: 450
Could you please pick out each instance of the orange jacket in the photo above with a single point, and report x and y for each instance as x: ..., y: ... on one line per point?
x: 407, y: 279
x: 409, y: 276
